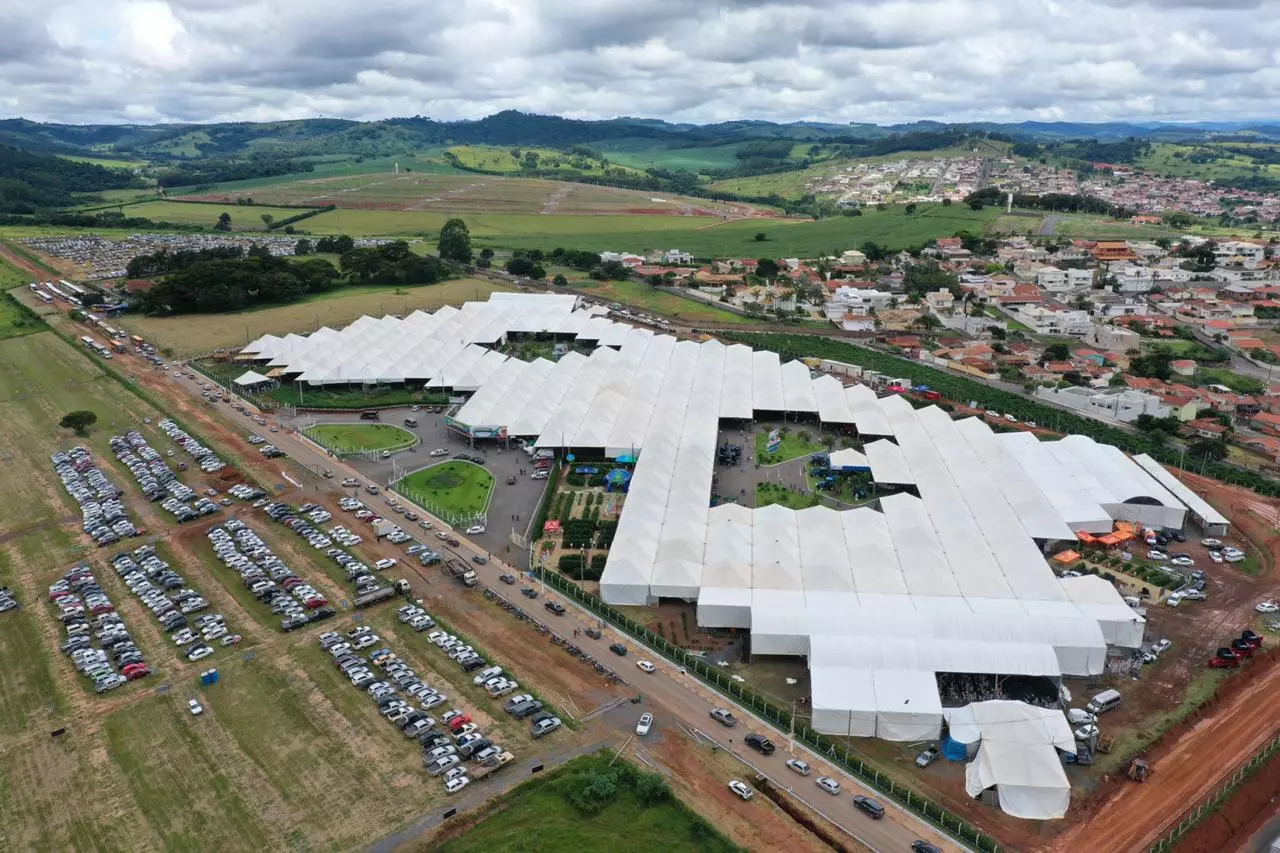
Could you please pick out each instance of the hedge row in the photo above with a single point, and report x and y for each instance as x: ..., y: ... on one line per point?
x: 961, y: 389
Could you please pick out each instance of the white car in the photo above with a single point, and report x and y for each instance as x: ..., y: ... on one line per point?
x: 741, y: 789
x: 1154, y: 554
x: 798, y: 766
x: 1085, y: 732
x: 453, y: 773
x: 646, y: 723
x: 645, y: 666
x: 195, y: 707
x: 385, y: 563
x: 456, y: 784
x: 826, y: 783
x: 439, y: 451
x: 1267, y: 607
x: 1216, y: 556
x: 1185, y: 562
x: 475, y: 530
x: 1211, y: 543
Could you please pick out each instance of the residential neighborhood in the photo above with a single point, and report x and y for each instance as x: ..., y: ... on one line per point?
x: 1128, y: 332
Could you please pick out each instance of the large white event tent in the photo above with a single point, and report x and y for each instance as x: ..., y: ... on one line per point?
x: 946, y: 576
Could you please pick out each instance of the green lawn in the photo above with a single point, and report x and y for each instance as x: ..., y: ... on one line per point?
x: 540, y: 815
x: 774, y: 493
x: 16, y: 320
x: 358, y: 438
x: 207, y: 214
x: 452, y: 489
x: 637, y: 295
x: 1235, y: 381
x: 793, y: 446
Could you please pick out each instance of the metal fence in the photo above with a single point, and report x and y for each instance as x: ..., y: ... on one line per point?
x: 1206, y: 806
x: 452, y: 519
x: 949, y: 823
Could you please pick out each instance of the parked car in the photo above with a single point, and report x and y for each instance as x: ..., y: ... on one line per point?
x: 798, y: 766
x: 741, y: 789
x: 195, y: 707
x: 645, y: 724
x: 645, y: 666
x: 927, y: 757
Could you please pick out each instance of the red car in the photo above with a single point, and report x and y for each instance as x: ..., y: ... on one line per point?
x: 134, y: 671
x: 1223, y: 663
x: 1251, y: 638
x: 1242, y: 648
x: 458, y: 722
x: 315, y: 603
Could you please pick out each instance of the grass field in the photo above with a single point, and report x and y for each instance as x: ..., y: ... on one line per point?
x: 435, y: 191
x: 105, y: 162
x: 643, y: 153
x: 456, y: 488
x: 540, y: 815
x: 357, y: 438
x: 15, y: 322
x: 199, y: 333
x: 634, y: 294
x: 242, y: 216
x: 793, y: 446
x: 1168, y: 158
x: 495, y: 159
x: 772, y: 493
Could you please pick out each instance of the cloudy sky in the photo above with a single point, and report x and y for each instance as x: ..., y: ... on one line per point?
x: 683, y: 60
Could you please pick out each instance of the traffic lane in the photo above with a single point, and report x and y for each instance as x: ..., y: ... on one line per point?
x: 683, y: 696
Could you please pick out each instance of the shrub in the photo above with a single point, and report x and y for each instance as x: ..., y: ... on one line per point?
x: 652, y: 789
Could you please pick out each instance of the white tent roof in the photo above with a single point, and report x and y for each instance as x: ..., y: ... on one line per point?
x: 848, y: 458
x: 1190, y: 499
x: 1018, y: 755
x: 250, y: 377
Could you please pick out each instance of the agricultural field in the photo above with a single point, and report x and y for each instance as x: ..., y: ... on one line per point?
x: 643, y: 153
x: 242, y: 216
x: 15, y: 322
x: 1175, y: 159
x: 359, y: 438
x: 456, y: 193
x: 456, y: 488
x: 495, y: 159
x: 782, y: 238
x: 189, y: 334
x: 106, y: 162
x: 639, y: 815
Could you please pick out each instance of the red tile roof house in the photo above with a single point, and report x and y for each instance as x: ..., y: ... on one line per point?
x: 1264, y: 444
x: 1207, y: 427
x: 1183, y: 366
x: 1266, y: 422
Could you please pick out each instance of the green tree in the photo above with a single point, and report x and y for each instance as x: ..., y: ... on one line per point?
x: 1212, y: 449
x: 560, y: 281
x: 302, y: 247
x: 224, y: 222
x: 760, y: 237
x: 767, y: 268
x: 267, y: 219
x: 976, y: 204
x: 910, y: 209
x: 455, y: 242
x: 79, y: 421
x: 1056, y: 352
x: 946, y: 202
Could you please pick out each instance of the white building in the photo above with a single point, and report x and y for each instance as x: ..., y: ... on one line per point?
x: 1052, y: 279
x: 675, y: 256
x: 1118, y: 405
x: 1079, y: 278
x: 1054, y: 321
x: 1249, y: 255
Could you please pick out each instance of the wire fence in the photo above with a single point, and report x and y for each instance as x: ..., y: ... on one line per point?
x: 1205, y: 807
x: 921, y: 806
x: 453, y: 519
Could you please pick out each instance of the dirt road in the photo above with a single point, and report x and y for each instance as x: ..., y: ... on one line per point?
x: 1182, y: 773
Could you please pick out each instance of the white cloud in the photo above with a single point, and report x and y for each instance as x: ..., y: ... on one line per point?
x: 833, y: 60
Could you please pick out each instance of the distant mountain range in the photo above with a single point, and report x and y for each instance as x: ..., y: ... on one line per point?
x: 314, y: 137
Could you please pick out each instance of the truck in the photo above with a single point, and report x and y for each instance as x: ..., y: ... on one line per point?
x: 491, y: 764
x: 377, y: 596
x: 461, y: 571
x: 118, y: 347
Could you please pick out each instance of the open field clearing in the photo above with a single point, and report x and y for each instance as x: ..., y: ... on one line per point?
x: 207, y: 214
x: 355, y: 438
x: 198, y: 333
x: 540, y: 815
x: 14, y: 322
x: 469, y: 193
x: 643, y: 153
x: 494, y: 159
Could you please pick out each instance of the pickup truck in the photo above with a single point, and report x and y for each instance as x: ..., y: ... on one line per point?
x: 491, y: 764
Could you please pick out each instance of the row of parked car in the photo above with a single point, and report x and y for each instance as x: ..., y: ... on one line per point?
x: 1229, y: 657
x: 157, y: 480
x: 104, y: 515
x: 359, y: 574
x: 8, y: 601
x: 404, y: 699
x: 166, y: 594
x: 97, y: 640
x: 267, y: 577
x: 396, y: 534
x: 206, y: 458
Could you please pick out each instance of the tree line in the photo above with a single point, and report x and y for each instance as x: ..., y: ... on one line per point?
x: 219, y: 171
x: 34, y: 182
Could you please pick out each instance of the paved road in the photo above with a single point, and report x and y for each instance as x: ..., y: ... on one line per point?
x: 672, y: 695
x: 1049, y: 226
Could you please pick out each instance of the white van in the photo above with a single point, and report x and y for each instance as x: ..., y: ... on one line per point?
x: 1103, y: 702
